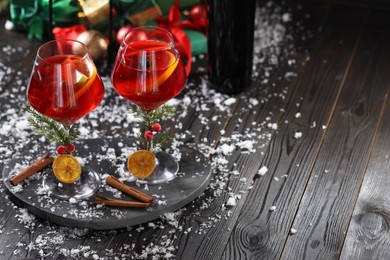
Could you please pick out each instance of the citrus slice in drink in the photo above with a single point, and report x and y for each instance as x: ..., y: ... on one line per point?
x: 141, y: 163
x: 154, y: 68
x: 66, y: 168
x: 76, y: 75
x: 83, y: 84
x: 171, y: 63
x: 80, y: 78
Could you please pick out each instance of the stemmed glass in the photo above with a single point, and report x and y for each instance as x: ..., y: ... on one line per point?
x: 65, y: 86
x: 148, y: 71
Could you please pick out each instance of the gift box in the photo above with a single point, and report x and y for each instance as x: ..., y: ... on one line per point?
x: 165, y: 5
x: 32, y: 16
x: 185, y: 19
x: 198, y: 39
x: 149, y: 12
x: 3, y: 5
x: 193, y: 24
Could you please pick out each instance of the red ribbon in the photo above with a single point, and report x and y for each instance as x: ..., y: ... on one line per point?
x: 173, y: 24
x: 71, y: 32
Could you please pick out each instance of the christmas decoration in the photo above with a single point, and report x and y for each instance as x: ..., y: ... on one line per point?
x: 149, y: 11
x: 89, y: 21
x: 165, y: 5
x: 70, y: 148
x: 148, y: 135
x: 61, y: 149
x: 156, y: 127
x: 3, y: 4
x: 149, y: 121
x: 32, y: 16
x: 96, y: 42
x: 95, y: 11
x: 122, y: 32
x: 71, y: 32
x: 177, y: 26
x: 198, y: 15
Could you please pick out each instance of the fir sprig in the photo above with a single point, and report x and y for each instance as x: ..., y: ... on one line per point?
x: 148, y: 119
x: 51, y: 129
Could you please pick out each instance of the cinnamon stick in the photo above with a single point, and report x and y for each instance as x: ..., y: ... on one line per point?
x: 38, y: 165
x: 100, y: 199
x: 114, y: 182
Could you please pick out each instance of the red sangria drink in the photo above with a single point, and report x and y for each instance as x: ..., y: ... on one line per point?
x: 149, y: 74
x: 70, y: 89
x: 64, y: 86
x: 148, y: 71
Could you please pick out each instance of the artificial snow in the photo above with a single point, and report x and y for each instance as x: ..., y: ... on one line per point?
x: 298, y: 135
x: 263, y: 170
x: 272, y: 32
x: 231, y: 202
x: 9, y: 25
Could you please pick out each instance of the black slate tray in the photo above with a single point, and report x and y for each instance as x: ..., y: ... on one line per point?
x: 193, y: 178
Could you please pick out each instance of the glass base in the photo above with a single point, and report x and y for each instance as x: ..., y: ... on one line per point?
x: 166, y: 169
x: 83, y: 188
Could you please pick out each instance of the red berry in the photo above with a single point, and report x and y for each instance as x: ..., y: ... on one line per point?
x: 156, y: 127
x: 70, y: 148
x: 148, y: 135
x: 61, y: 149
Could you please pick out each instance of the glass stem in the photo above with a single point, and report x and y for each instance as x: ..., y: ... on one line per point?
x: 67, y: 130
x: 148, y: 121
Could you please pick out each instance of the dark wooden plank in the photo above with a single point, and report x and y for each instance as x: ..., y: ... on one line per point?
x: 252, y: 121
x: 196, y: 217
x: 368, y: 236
x: 16, y: 52
x: 197, y: 122
x: 16, y: 55
x: 202, y: 232
x: 373, y: 4
x: 201, y: 132
x: 264, y: 223
x: 326, y: 207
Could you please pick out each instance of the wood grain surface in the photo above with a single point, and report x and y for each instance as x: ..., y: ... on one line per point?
x: 319, y: 123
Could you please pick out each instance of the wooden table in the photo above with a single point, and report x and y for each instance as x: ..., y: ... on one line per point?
x: 320, y: 127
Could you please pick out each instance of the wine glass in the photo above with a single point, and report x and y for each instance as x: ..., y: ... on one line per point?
x: 65, y: 86
x: 148, y: 71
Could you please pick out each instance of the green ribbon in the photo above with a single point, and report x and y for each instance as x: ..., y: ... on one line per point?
x: 125, y: 8
x: 64, y: 12
x: 33, y: 15
x: 198, y: 40
x: 165, y: 5
x: 35, y: 28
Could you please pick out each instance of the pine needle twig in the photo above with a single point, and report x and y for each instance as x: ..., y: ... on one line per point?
x: 51, y: 129
x: 149, y: 118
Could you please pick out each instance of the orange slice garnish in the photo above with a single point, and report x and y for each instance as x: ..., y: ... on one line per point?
x: 164, y: 76
x: 147, y: 84
x: 73, y: 75
x: 87, y: 83
x: 66, y: 168
x: 141, y: 163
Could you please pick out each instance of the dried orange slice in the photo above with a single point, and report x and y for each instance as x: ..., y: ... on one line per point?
x: 141, y: 163
x: 66, y: 168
